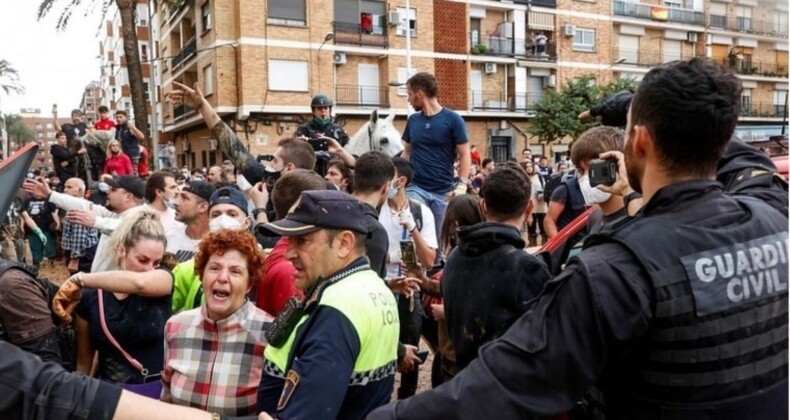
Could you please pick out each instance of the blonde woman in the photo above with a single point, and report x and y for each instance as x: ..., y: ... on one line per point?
x: 117, y: 163
x: 122, y: 314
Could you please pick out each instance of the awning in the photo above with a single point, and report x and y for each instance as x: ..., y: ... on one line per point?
x: 540, y: 21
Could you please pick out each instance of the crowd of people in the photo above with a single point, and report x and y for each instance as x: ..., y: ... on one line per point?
x: 299, y: 286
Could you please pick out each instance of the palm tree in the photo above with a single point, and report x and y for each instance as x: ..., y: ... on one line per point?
x: 130, y: 46
x: 9, y: 79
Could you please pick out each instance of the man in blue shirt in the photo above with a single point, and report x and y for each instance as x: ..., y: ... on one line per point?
x: 433, y: 137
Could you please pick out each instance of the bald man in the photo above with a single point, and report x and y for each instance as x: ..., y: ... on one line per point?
x: 214, y: 176
x: 78, y: 240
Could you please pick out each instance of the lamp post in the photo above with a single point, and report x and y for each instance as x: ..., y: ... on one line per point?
x: 328, y: 37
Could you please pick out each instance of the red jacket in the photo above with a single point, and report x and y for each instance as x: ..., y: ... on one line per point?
x: 277, y: 284
x: 142, y: 166
x: 118, y: 165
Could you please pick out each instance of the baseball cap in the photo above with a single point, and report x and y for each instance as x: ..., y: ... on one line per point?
x: 201, y: 189
x: 320, y: 209
x: 229, y: 195
x: 130, y: 183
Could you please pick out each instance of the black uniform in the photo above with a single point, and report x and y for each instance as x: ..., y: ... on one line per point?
x: 311, y: 130
x: 679, y: 313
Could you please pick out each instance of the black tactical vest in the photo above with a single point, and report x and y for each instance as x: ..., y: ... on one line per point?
x: 719, y: 329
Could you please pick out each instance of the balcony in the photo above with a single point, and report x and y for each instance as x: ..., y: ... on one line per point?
x: 642, y: 58
x: 182, y: 112
x: 511, y: 47
x: 760, y: 110
x: 748, y: 25
x: 356, y: 34
x: 542, y: 3
x: 755, y: 68
x: 189, y: 50
x: 362, y: 96
x: 490, y: 100
x: 658, y: 13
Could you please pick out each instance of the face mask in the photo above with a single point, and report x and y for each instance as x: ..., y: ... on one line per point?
x: 103, y: 187
x: 224, y: 222
x: 392, y: 192
x: 271, y: 176
x: 170, y: 203
x: 322, y: 122
x: 592, y: 195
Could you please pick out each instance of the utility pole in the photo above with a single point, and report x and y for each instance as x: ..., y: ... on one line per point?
x: 152, y: 88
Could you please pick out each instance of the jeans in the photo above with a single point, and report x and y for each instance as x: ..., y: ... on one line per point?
x: 39, y: 250
x: 436, y: 202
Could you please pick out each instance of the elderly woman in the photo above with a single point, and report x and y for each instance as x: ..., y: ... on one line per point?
x: 122, y: 314
x: 214, y: 354
x: 117, y: 163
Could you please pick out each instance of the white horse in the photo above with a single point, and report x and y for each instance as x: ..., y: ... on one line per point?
x: 377, y: 134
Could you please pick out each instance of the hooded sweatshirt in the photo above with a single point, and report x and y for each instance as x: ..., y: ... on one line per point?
x: 488, y: 283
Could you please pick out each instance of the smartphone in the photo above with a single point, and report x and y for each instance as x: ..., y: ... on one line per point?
x: 54, y: 109
x: 242, y: 183
x: 602, y: 172
x: 423, y: 355
x: 407, y: 253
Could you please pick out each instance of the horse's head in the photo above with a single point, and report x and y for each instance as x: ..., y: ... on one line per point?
x: 377, y: 134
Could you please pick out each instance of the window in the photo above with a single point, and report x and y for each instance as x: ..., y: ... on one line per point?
x: 584, y: 40
x: 286, y: 12
x: 145, y: 91
x: 780, y: 103
x: 208, y: 80
x: 144, y: 52
x: 403, y: 76
x: 49, y: 126
x: 746, y: 101
x: 407, y: 18
x: 744, y: 18
x: 205, y: 19
x: 780, y: 22
x: 474, y: 26
x: 39, y: 126
x: 288, y: 75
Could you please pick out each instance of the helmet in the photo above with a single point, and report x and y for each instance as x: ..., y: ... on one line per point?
x: 321, y: 100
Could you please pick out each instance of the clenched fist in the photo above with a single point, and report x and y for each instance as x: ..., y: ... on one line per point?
x: 67, y: 298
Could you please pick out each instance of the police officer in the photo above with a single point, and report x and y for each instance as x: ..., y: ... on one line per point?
x: 678, y: 313
x: 322, y: 126
x: 334, y: 355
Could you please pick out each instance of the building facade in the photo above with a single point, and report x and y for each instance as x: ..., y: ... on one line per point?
x: 89, y: 104
x: 114, y: 81
x: 494, y: 60
x: 43, y: 129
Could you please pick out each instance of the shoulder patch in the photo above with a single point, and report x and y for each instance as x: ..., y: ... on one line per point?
x: 291, y: 382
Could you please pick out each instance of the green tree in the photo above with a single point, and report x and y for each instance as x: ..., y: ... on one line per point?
x: 557, y: 114
x: 127, y: 9
x: 9, y: 79
x: 17, y: 129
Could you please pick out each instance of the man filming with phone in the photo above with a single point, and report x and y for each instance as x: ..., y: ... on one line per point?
x: 323, y: 133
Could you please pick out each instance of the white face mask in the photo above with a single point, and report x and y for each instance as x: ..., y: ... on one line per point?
x: 224, y: 222
x: 591, y: 194
x: 170, y: 203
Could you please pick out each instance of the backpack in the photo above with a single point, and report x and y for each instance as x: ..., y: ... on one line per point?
x: 553, y: 182
x: 65, y: 334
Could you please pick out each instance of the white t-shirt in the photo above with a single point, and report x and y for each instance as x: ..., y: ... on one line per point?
x: 168, y: 218
x: 391, y: 223
x: 181, y: 245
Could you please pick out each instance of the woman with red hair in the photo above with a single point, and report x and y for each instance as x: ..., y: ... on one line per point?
x: 214, y: 354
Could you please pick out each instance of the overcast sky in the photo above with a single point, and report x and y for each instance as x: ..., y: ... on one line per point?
x: 54, y: 67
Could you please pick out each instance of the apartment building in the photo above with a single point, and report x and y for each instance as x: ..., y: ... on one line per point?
x: 89, y: 104
x: 114, y: 81
x: 494, y: 60
x: 44, y: 134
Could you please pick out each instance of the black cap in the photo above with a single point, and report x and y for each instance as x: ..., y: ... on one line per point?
x: 130, y: 183
x: 229, y: 195
x: 201, y: 189
x: 320, y: 209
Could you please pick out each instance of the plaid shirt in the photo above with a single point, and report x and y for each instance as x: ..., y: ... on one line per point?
x: 215, y: 366
x: 78, y: 238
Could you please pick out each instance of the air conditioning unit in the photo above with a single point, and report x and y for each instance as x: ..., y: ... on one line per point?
x: 339, y: 58
x: 393, y: 18
x: 212, y: 145
x: 550, y: 81
x: 692, y: 36
x: 569, y: 30
x: 490, y: 68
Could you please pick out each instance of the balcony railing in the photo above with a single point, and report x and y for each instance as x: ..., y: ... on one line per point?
x: 489, y: 100
x: 541, y: 3
x: 755, y: 68
x: 356, y: 34
x: 362, y: 96
x: 189, y: 50
x: 642, y: 58
x: 658, y: 12
x: 511, y: 47
x: 182, y: 112
x: 761, y: 110
x: 748, y: 25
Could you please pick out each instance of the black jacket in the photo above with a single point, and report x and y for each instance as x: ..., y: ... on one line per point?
x: 487, y: 284
x: 32, y: 389
x: 62, y: 154
x: 377, y: 243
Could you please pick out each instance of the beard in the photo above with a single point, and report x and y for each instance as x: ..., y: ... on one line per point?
x: 634, y: 168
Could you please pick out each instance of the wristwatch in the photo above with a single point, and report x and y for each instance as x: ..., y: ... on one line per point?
x: 630, y: 197
x: 258, y: 211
